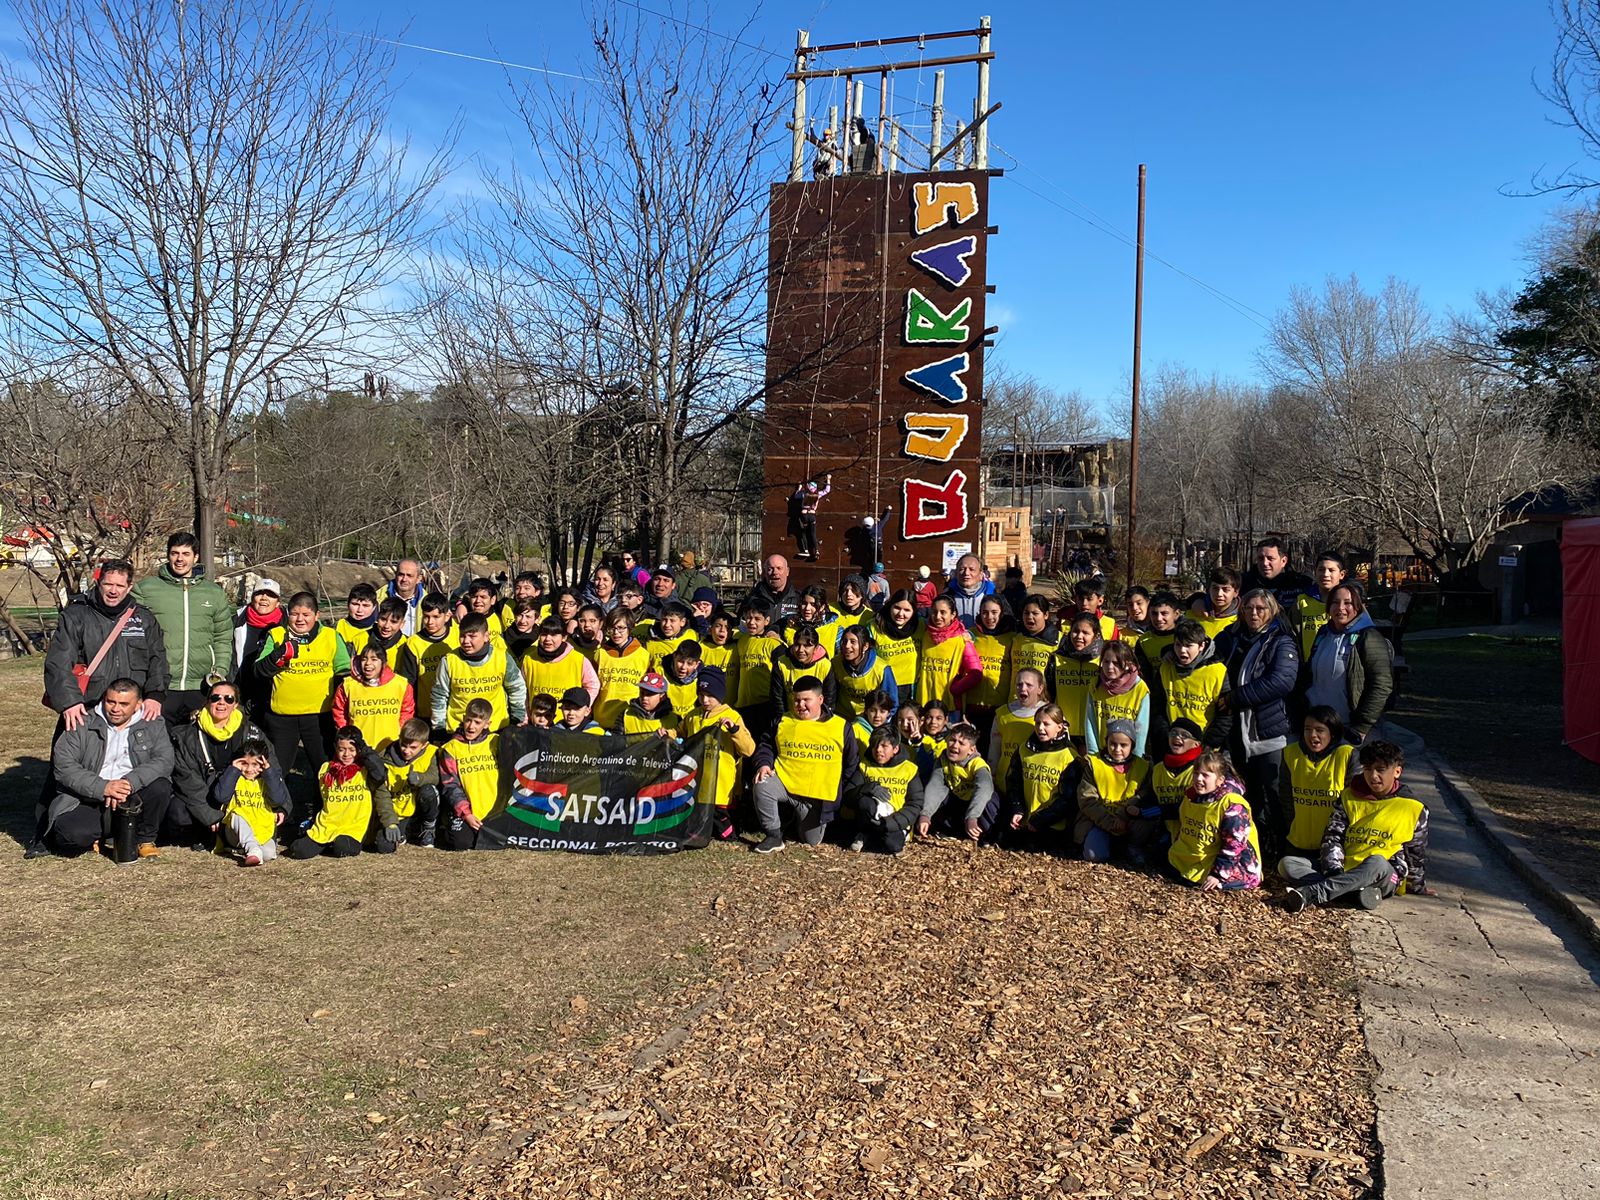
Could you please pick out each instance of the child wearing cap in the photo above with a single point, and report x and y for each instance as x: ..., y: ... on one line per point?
x: 251, y: 627
x: 576, y: 705
x: 648, y: 712
x: 730, y: 745
x: 682, y: 675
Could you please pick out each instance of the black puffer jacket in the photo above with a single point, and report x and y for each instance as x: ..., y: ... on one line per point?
x: 139, y: 654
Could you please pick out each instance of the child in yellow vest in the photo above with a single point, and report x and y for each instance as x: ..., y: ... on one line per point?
x: 1014, y: 723
x: 469, y: 776
x: 619, y: 665
x: 717, y: 650
x: 355, y: 801
x: 373, y: 699
x: 412, y: 765
x: 1313, y: 776
x: 960, y: 797
x: 1118, y: 692
x: 877, y: 710
x: 435, y: 637
x: 894, y: 797
x: 1076, y: 669
x: 360, y: 612
x: 251, y: 802
x: 935, y: 726
x: 753, y: 650
x: 1111, y: 816
x: 649, y: 711
x: 1216, y: 846
x: 1376, y: 842
x: 682, y: 671
x: 730, y: 744
x: 576, y: 707
x: 1034, y: 777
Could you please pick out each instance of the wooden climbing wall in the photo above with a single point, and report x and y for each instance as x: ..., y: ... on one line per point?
x: 875, y: 307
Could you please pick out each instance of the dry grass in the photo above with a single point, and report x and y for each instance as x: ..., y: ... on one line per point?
x: 470, y: 1025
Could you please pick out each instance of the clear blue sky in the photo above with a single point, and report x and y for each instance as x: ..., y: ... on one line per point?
x: 1285, y: 143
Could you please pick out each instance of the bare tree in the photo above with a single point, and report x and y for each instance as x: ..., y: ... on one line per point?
x: 1409, y: 437
x: 624, y: 277
x: 1021, y: 408
x: 203, y: 196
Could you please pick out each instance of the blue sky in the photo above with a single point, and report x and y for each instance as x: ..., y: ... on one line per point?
x: 1284, y: 142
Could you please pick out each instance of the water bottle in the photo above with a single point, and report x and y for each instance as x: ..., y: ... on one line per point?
x: 124, y: 831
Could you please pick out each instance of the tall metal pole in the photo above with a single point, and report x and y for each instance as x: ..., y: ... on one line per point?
x: 980, y: 136
x: 937, y: 137
x: 1138, y: 338
x: 797, y: 152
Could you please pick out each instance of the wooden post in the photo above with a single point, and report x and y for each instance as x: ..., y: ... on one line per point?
x: 894, y: 146
x: 883, y: 117
x: 1138, y: 329
x: 961, y: 148
x: 797, y: 153
x: 846, y: 131
x: 938, y: 119
x: 980, y: 138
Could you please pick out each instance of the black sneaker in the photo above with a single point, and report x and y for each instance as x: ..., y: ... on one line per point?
x: 1369, y: 897
x: 770, y: 844
x: 425, y: 839
x: 36, y: 849
x: 1294, y: 900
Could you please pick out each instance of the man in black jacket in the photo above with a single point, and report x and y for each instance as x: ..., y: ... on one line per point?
x: 774, y: 591
x: 1271, y: 571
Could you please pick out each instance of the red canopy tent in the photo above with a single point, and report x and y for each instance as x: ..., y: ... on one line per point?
x: 1580, y: 634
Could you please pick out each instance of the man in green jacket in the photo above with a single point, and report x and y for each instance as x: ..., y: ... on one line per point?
x: 196, y: 623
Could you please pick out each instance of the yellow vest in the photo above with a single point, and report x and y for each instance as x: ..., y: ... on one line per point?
x: 346, y: 808
x: 354, y: 636
x: 827, y: 634
x: 962, y: 778
x: 1193, y: 695
x: 1170, y: 788
x: 1105, y: 708
x: 719, y: 772
x: 479, y: 767
x: 1074, y: 680
x: 659, y: 647
x: 635, y: 723
x: 1116, y: 787
x: 375, y: 710
x: 1041, y: 773
x: 1029, y: 653
x: 1153, y: 645
x: 810, y: 759
x: 1194, y: 849
x: 937, y: 667
x: 428, y: 653
x: 619, y: 682
x: 753, y: 656
x: 788, y: 670
x: 1130, y: 637
x: 995, y: 651
x: 401, y: 792
x: 1014, y: 734
x: 1313, y: 616
x: 549, y: 678
x: 900, y: 655
x: 1314, y: 790
x: 895, y: 779
x: 1377, y: 826
x: 249, y: 800
x: 306, y: 685
x: 846, y: 620
x: 684, y: 698
x: 854, y: 689
x: 722, y: 658
x: 469, y: 681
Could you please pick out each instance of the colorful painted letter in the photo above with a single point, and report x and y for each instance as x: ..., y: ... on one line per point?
x: 944, y: 379
x: 935, y: 510
x: 948, y: 260
x: 925, y: 323
x: 935, y: 436
x: 935, y: 202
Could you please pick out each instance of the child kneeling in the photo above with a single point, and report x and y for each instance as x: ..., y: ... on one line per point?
x: 884, y: 814
x: 1216, y: 845
x: 355, y: 801
x: 1375, y: 844
x: 251, y: 801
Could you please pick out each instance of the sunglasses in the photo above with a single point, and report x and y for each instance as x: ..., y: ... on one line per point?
x: 223, y: 700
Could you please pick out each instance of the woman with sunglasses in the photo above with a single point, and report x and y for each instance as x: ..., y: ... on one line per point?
x: 203, y: 748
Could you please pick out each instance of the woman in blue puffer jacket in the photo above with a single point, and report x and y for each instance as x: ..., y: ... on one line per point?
x: 1263, y: 669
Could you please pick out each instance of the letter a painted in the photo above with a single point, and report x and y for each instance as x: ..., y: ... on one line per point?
x: 935, y: 510
x: 935, y: 436
x: 943, y: 379
x: 947, y: 261
x: 926, y: 323
x: 936, y: 202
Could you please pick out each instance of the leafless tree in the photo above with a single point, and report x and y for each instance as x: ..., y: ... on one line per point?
x: 203, y: 195
x: 1408, y: 437
x: 622, y: 278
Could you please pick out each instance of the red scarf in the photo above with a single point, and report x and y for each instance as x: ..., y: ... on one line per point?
x: 1177, y: 762
x: 263, y: 621
x: 339, y: 772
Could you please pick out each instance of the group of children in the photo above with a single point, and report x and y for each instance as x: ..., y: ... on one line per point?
x: 1091, y: 740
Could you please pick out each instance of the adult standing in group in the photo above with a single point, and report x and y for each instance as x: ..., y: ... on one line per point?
x: 602, y: 589
x: 196, y: 623
x: 117, y: 756
x: 663, y: 590
x: 633, y: 571
x: 102, y: 634
x: 968, y: 588
x: 407, y: 586
x: 1349, y: 668
x: 1271, y: 571
x: 774, y: 592
x: 251, y: 626
x: 689, y: 577
x: 1263, y: 670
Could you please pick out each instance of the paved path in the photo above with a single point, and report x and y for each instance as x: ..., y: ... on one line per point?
x: 1540, y: 629
x: 1483, y: 1013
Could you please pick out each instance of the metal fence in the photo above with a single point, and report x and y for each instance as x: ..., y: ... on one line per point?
x: 1056, y: 508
